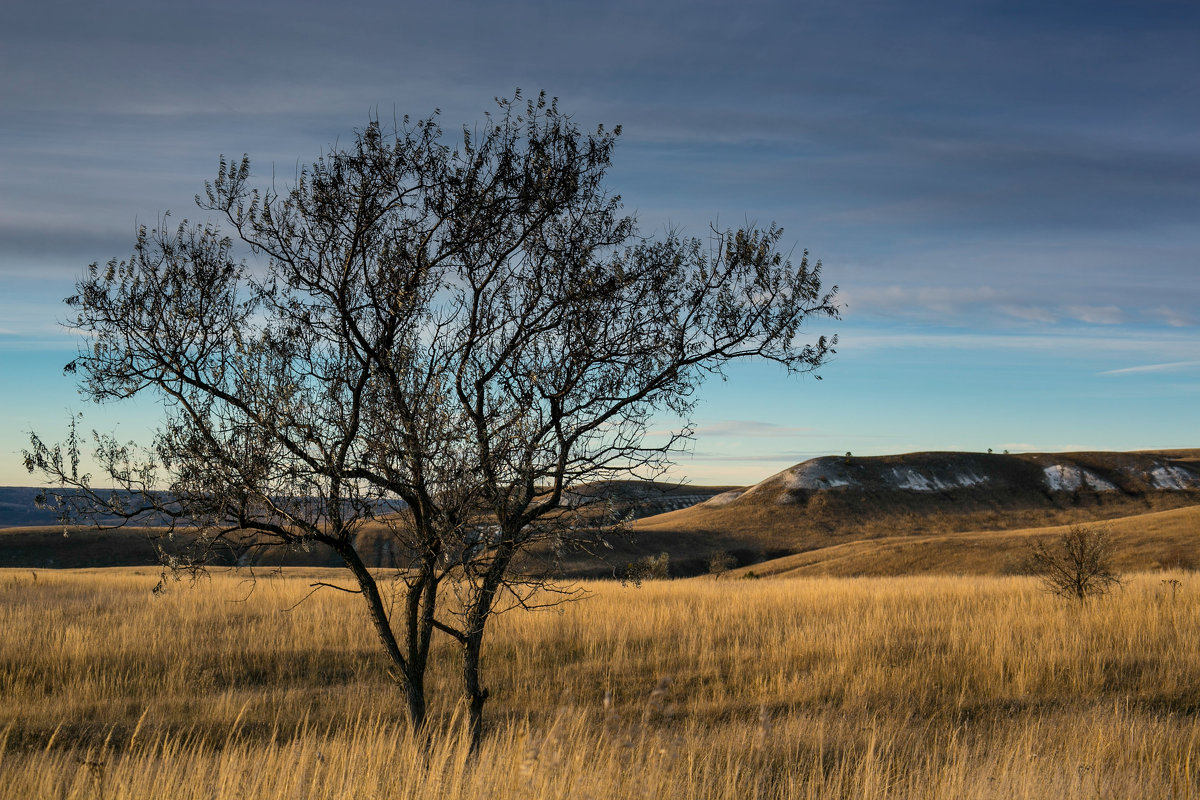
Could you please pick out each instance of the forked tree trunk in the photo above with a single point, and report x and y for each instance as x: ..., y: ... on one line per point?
x: 410, y: 672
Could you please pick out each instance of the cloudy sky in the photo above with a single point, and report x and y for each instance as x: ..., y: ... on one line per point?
x: 1007, y: 193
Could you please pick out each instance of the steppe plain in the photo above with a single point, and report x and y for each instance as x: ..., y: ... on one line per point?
x: 876, y: 639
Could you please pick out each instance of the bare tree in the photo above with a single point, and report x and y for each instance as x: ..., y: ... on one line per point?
x: 1080, y: 566
x: 449, y: 341
x: 720, y: 562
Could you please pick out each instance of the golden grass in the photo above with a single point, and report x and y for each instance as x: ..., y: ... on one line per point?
x: 1158, y: 540
x: 931, y: 687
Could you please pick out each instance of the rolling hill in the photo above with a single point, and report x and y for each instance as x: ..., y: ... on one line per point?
x: 844, y: 502
x: 825, y: 500
x: 918, y: 512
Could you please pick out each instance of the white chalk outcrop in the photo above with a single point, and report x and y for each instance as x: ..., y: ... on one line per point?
x: 1070, y: 478
x: 1170, y: 477
x: 913, y: 480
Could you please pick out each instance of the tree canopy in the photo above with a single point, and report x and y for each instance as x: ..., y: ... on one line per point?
x: 442, y: 336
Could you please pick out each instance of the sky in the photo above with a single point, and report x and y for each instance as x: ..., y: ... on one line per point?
x: 1006, y: 193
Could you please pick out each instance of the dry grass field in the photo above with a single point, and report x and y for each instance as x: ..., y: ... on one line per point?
x: 1142, y: 542
x: 915, y: 687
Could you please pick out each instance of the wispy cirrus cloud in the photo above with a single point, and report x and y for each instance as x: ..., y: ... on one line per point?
x: 1028, y: 313
x: 987, y: 306
x: 746, y: 427
x: 1097, y: 315
x: 1171, y: 366
x: 1073, y: 342
x: 919, y: 301
x: 1174, y: 317
x: 783, y: 457
x: 995, y: 307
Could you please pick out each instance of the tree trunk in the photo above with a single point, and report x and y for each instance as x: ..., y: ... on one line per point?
x: 476, y: 695
x: 410, y: 675
x: 414, y: 691
x: 475, y: 623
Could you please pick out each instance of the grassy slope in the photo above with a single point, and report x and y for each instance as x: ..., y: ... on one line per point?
x: 1158, y: 540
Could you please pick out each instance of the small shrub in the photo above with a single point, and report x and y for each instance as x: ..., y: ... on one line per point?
x: 649, y: 568
x: 720, y: 562
x: 1080, y: 566
x: 658, y: 567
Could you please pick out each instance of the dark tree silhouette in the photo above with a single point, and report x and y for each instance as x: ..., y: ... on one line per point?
x: 446, y: 339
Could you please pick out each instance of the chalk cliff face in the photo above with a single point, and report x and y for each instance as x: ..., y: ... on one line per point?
x: 964, y: 474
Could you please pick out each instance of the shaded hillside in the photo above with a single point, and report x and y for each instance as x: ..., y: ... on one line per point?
x: 834, y: 500
x: 637, y: 499
x: 45, y: 547
x: 41, y: 544
x: 55, y: 547
x: 593, y: 506
x: 18, y: 508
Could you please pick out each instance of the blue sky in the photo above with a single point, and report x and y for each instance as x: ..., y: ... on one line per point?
x: 1007, y: 193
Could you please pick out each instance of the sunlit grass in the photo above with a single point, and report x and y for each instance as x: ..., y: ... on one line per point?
x: 903, y: 687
